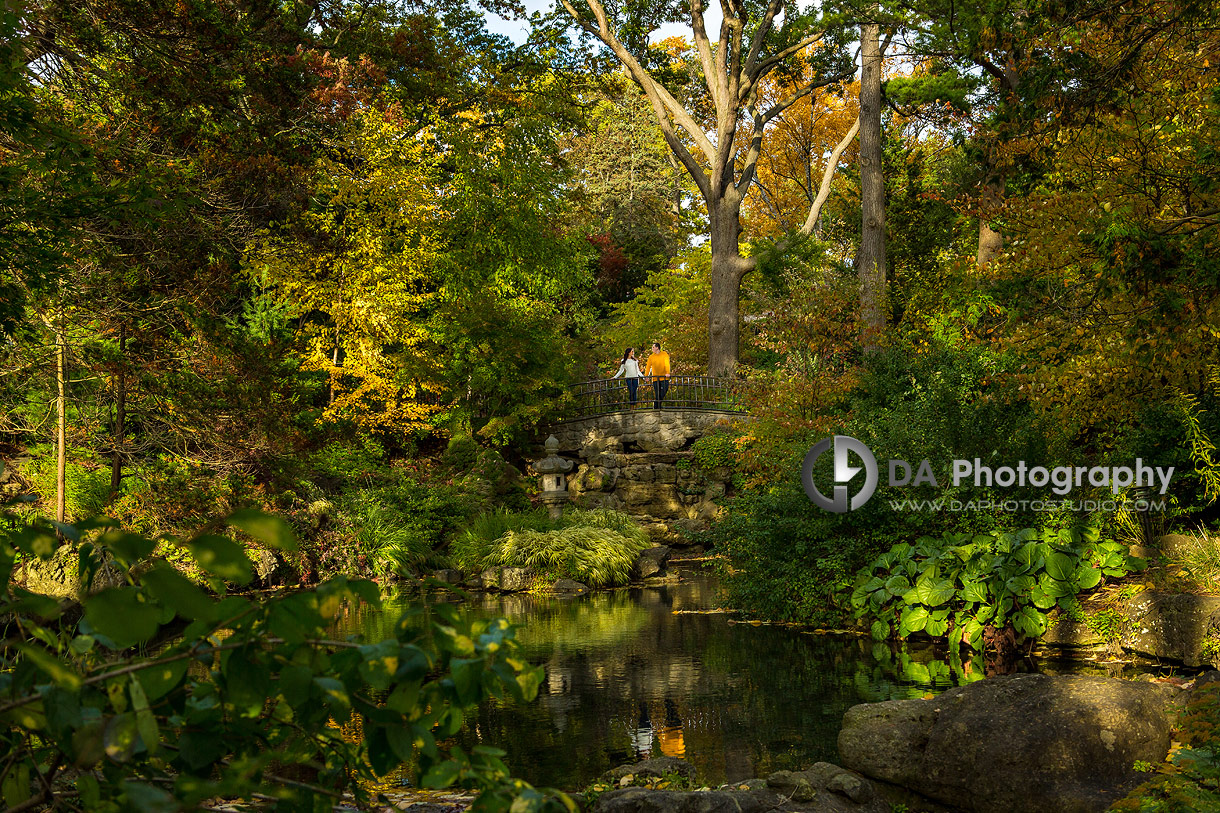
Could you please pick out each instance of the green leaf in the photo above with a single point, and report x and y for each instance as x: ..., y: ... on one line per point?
x: 932, y: 590
x: 897, y: 585
x: 379, y: 664
x: 1041, y: 599
x: 1060, y: 566
x: 1029, y: 622
x: 973, y: 632
x: 441, y: 775
x: 128, y: 548
x: 938, y: 623
x: 60, y: 673
x: 272, y: 531
x: 1056, y: 588
x: 974, y: 592
x: 178, y: 592
x: 121, y: 614
x: 1020, y: 585
x: 223, y: 558
x: 89, y: 790
x: 146, y: 724
x: 913, y: 619
x: 1087, y: 577
x: 880, y: 630
x: 1136, y: 564
x: 160, y: 678
x: 120, y: 737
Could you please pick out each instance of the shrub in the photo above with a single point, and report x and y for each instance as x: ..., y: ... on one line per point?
x: 473, y: 545
x: 398, y: 528
x: 958, y: 585
x: 461, y: 453
x: 265, y: 716
x: 789, y: 560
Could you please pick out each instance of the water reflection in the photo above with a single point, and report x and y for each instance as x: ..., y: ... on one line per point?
x: 627, y: 677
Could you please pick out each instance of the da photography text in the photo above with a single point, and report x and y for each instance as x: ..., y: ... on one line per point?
x: 1060, y: 480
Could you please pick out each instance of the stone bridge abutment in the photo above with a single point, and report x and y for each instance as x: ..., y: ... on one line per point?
x: 641, y: 462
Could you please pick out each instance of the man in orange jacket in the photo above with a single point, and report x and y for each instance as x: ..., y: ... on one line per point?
x: 658, y: 370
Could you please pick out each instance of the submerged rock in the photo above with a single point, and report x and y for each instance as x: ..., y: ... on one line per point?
x: 569, y: 586
x: 1015, y: 743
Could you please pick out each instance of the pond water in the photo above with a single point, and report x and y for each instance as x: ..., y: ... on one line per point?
x: 642, y: 672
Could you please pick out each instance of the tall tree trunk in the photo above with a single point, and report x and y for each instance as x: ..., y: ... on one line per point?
x: 871, y: 260
x: 334, y: 362
x: 61, y: 425
x: 728, y: 268
x: 991, y: 242
x: 120, y: 416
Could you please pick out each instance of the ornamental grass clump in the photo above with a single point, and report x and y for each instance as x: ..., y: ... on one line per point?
x: 596, y: 547
x: 599, y: 557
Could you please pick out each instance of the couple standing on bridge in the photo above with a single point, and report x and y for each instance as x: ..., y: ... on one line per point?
x: 657, y: 369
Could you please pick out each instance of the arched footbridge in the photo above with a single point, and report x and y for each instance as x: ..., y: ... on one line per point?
x: 637, y: 457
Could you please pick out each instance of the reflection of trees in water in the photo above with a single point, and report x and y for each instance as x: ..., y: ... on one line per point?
x: 626, y: 677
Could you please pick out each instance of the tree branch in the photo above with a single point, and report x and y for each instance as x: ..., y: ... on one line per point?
x: 663, y: 102
x: 815, y: 211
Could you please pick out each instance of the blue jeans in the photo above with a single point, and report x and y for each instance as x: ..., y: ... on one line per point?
x: 633, y: 385
x: 659, y: 388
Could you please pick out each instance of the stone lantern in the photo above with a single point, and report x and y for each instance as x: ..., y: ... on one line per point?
x: 554, y: 482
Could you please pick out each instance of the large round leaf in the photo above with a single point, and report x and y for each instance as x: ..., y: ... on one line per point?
x: 897, y: 585
x: 974, y: 591
x: 1087, y: 577
x: 933, y: 590
x: 938, y: 623
x: 1060, y: 566
x: 880, y: 630
x: 1029, y: 622
x: 913, y: 619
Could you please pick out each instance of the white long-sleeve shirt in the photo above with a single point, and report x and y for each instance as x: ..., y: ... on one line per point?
x: 629, y: 366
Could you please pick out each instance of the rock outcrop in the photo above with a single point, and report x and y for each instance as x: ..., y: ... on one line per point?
x: 1175, y: 626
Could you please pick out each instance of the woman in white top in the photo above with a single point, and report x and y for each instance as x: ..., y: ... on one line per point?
x: 630, y: 369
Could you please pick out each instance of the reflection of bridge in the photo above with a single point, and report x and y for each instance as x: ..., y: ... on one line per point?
x: 702, y: 393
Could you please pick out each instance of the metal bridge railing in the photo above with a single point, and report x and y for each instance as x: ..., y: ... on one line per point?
x: 692, y: 392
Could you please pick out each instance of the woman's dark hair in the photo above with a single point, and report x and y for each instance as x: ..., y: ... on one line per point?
x: 627, y: 353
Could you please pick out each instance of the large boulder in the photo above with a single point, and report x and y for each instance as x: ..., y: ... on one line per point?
x: 1015, y: 743
x: 651, y: 562
x: 507, y: 579
x: 1172, y: 625
x: 59, y: 576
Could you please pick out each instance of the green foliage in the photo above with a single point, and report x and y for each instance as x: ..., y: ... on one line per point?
x: 461, y: 453
x: 395, y: 528
x: 1109, y: 623
x: 246, y: 698
x: 714, y: 451
x: 1190, y: 779
x: 959, y: 585
x: 936, y: 401
x: 88, y: 485
x: 595, y: 547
